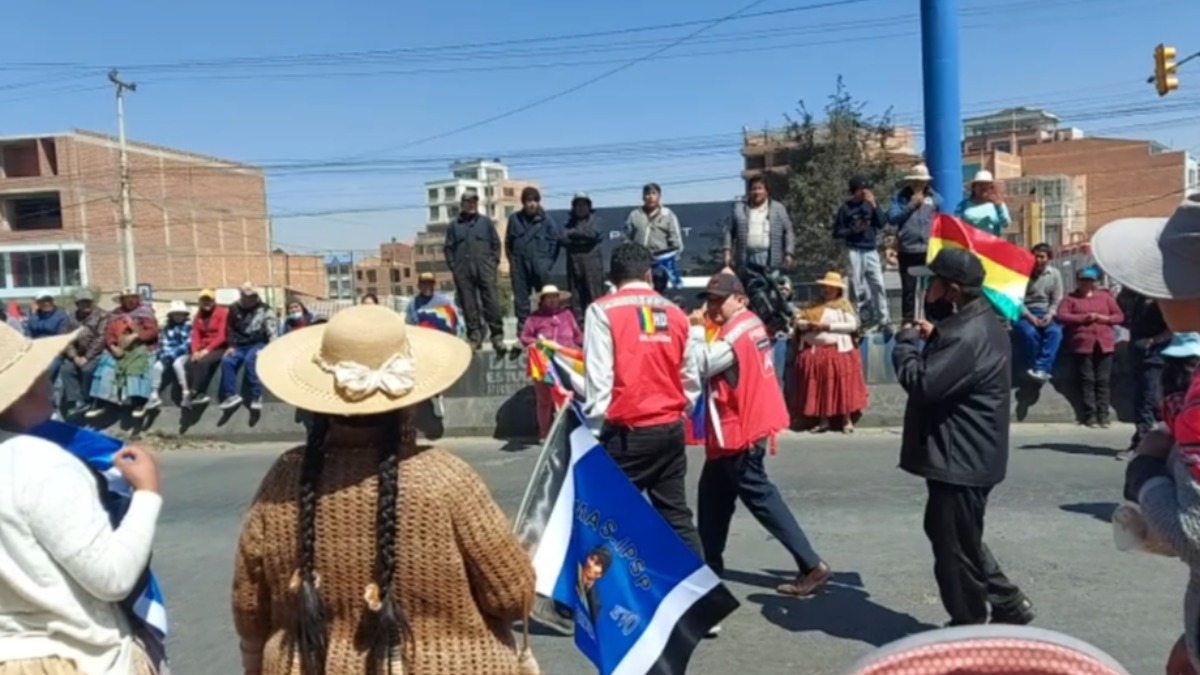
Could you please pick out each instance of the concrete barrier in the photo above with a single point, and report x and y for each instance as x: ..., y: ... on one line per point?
x: 495, y: 399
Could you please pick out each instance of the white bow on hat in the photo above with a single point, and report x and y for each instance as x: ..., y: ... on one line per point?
x: 357, y: 382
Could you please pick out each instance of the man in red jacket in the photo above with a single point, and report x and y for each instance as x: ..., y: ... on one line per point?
x: 208, y: 344
x: 745, y: 409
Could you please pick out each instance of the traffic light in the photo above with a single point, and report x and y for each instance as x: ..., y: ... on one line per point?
x: 1164, y: 70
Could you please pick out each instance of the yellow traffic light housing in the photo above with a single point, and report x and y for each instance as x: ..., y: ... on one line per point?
x: 1164, y: 70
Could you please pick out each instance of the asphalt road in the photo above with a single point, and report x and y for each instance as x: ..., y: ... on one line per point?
x: 1047, y: 524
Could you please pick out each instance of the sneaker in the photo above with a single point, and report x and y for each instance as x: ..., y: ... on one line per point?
x: 713, y: 632
x: 78, y: 409
x: 1021, y: 614
x: 93, y: 413
x: 256, y: 404
x: 231, y: 402
x: 499, y: 346
x: 1125, y: 455
x: 152, y: 403
x: 439, y: 407
x: 200, y: 399
x: 185, y: 401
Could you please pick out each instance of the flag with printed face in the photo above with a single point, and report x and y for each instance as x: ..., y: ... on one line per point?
x: 608, y: 566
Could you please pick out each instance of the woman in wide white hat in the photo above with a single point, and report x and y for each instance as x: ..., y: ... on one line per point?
x: 552, y: 321
x: 984, y: 208
x: 63, y: 567
x: 830, y: 388
x: 403, y: 540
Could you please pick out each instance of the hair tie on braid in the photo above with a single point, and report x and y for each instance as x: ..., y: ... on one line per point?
x: 310, y: 629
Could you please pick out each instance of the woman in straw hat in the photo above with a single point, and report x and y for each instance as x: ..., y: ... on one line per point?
x: 64, y: 568
x: 363, y: 551
x: 829, y: 379
x: 554, y: 322
x: 983, y: 208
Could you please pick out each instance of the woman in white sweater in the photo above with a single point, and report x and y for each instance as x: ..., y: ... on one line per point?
x: 830, y: 388
x: 63, y: 567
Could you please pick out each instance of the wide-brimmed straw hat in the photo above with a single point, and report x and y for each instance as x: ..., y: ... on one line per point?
x: 1157, y: 257
x: 832, y: 279
x: 551, y: 289
x: 365, y: 361
x: 983, y: 176
x: 23, y: 361
x: 919, y: 172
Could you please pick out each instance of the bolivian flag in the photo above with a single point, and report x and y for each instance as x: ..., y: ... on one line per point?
x: 1006, y: 267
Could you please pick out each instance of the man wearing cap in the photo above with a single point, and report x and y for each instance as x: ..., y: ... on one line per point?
x: 759, y: 231
x: 857, y: 224
x: 582, y: 236
x: 47, y: 320
x: 656, y: 228
x: 82, y: 354
x: 472, y: 251
x: 956, y: 434
x: 531, y: 242
x: 912, y: 212
x: 252, y: 326
x: 640, y: 380
x: 207, y: 343
x: 745, y: 409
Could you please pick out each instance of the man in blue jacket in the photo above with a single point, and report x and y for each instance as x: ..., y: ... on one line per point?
x: 858, y: 223
x: 47, y: 320
x: 912, y: 212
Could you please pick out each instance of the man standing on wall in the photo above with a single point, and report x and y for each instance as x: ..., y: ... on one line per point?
x: 472, y: 251
x: 759, y: 231
x: 912, y: 212
x: 531, y: 242
x: 858, y: 223
x: 656, y: 228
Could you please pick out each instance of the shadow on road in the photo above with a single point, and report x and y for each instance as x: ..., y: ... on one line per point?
x: 1074, y: 449
x: 1101, y: 511
x: 843, y: 610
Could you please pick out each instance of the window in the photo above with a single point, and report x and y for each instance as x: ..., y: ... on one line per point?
x: 407, y: 272
x: 491, y: 209
x: 50, y: 268
x: 452, y: 211
x: 451, y: 193
x: 509, y: 210
x: 34, y: 212
x: 510, y: 192
x: 372, y: 277
x: 489, y: 192
x: 409, y: 290
x: 394, y: 276
x: 371, y: 290
x: 434, y: 212
x: 358, y: 274
x: 433, y: 194
x: 1002, y: 146
x: 469, y: 174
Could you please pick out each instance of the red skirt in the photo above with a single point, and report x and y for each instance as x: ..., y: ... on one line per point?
x: 829, y: 383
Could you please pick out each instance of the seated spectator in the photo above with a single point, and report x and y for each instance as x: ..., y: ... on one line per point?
x: 830, y: 387
x: 297, y: 316
x: 82, y: 354
x: 433, y: 310
x: 124, y: 373
x: 1038, y: 332
x: 554, y: 322
x: 174, y: 339
x: 47, y: 320
x: 251, y: 327
x: 206, y: 347
x: 1088, y: 315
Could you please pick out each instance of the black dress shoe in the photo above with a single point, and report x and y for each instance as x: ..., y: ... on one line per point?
x: 1020, y: 614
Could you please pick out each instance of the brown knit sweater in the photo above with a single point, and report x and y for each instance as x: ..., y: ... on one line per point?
x: 461, y: 577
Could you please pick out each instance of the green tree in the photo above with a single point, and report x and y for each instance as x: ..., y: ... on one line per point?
x: 824, y: 155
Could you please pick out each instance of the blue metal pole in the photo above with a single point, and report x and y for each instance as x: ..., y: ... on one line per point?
x: 943, y: 116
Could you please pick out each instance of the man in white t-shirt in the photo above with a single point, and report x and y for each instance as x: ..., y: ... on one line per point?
x: 759, y: 232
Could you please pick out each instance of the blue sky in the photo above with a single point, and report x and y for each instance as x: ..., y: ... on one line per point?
x: 211, y: 80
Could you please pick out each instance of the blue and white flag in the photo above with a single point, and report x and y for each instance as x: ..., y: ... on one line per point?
x: 666, y: 263
x: 607, y: 563
x: 145, y: 604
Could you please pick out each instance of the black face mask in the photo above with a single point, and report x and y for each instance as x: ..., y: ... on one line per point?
x: 939, y: 310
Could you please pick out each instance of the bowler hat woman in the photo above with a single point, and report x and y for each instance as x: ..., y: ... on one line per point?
x: 554, y: 322
x: 64, y: 568
x: 830, y: 388
x: 363, y: 551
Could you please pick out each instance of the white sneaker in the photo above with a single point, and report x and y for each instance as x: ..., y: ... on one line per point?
x: 153, y: 403
x: 439, y: 407
x: 256, y: 404
x: 713, y: 632
x: 231, y: 402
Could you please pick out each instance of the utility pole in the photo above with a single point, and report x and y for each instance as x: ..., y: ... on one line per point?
x: 130, y: 266
x: 943, y: 117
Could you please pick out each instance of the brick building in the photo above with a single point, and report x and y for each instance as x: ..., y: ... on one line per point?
x: 770, y: 150
x: 299, y: 274
x: 391, y: 274
x: 198, y: 221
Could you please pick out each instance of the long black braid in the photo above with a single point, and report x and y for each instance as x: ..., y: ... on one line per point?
x: 390, y: 626
x: 310, y: 630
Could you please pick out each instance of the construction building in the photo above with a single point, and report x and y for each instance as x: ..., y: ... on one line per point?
x: 1012, y: 130
x: 198, y: 221
x: 391, y: 274
x: 499, y: 198
x: 769, y: 150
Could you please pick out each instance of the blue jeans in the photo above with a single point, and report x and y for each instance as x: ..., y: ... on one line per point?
x: 55, y: 368
x: 1039, y: 344
x: 247, y: 356
x: 779, y: 348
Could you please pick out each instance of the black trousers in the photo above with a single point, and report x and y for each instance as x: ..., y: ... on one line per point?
x: 744, y: 476
x: 200, y: 372
x: 1095, y: 379
x: 1147, y: 370
x: 968, y: 576
x: 908, y: 283
x: 479, y: 298
x: 655, y: 461
x: 76, y: 381
x: 585, y: 280
x: 529, y: 275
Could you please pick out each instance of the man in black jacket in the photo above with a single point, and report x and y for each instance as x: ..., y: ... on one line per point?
x: 956, y: 434
x: 531, y: 242
x: 585, y: 266
x: 472, y: 251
